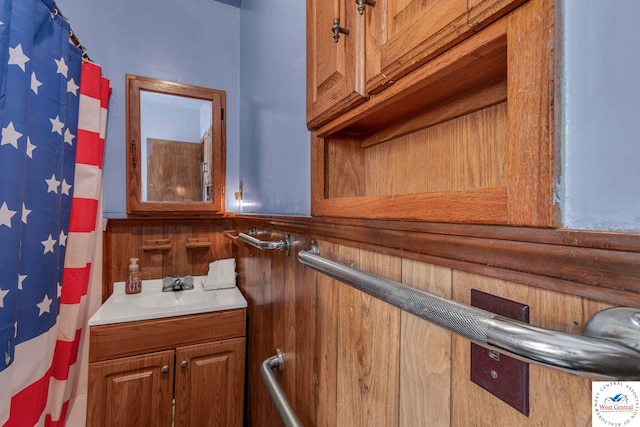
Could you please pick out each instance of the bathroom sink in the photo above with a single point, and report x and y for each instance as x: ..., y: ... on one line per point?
x: 173, y: 299
x: 152, y: 303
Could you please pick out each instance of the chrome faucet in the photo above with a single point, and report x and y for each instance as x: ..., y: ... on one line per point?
x: 177, y: 283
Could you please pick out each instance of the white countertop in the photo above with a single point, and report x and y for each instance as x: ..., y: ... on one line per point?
x: 152, y: 303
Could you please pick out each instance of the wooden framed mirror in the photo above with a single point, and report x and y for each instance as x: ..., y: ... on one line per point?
x: 176, y: 148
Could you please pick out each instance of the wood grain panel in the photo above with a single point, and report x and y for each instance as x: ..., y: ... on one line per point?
x: 486, y: 205
x: 159, y: 334
x: 425, y: 363
x: 327, y: 342
x: 306, y: 362
x: 135, y: 390
x: 533, y: 157
x: 483, y: 12
x: 556, y: 398
x: 254, y: 280
x: 344, y: 169
x: 408, y: 34
x: 368, y: 354
x: 201, y: 402
x: 466, y: 153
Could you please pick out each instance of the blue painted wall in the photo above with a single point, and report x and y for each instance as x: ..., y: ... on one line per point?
x: 192, y: 41
x: 274, y: 141
x: 601, y: 106
x: 257, y: 54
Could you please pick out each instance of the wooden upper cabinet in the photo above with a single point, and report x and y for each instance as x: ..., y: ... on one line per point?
x: 335, y: 80
x: 385, y: 43
x: 465, y: 136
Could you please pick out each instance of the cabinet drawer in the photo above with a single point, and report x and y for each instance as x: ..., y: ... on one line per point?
x: 130, y: 338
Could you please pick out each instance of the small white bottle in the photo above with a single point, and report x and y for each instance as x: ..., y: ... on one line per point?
x: 133, y: 284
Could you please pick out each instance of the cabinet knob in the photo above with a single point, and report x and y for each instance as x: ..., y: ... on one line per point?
x: 184, y: 363
x: 337, y: 29
x: 164, y: 369
x: 362, y: 3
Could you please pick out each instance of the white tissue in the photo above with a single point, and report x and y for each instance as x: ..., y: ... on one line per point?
x: 222, y: 274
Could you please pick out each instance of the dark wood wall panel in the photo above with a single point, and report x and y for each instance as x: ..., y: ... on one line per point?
x: 354, y: 360
x: 164, y: 246
x: 597, y: 265
x: 281, y: 297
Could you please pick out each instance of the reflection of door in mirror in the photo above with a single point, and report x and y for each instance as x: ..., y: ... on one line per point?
x: 176, y: 126
x: 165, y: 186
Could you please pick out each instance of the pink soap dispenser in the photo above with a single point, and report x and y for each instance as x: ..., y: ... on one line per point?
x: 133, y: 284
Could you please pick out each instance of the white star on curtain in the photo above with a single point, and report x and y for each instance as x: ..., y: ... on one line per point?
x: 35, y: 84
x: 48, y: 244
x: 17, y: 57
x: 3, y: 293
x: 30, y: 148
x: 45, y: 305
x: 68, y: 137
x: 6, y: 214
x: 65, y: 187
x: 10, y: 135
x: 63, y: 68
x: 25, y: 213
x: 72, y: 87
x: 52, y: 184
x: 21, y: 278
x: 56, y: 125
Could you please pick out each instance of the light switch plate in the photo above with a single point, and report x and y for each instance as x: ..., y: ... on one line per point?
x: 503, y: 376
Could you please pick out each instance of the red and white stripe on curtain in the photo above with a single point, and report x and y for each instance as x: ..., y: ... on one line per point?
x: 86, y: 213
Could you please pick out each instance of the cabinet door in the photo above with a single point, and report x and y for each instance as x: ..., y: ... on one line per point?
x: 335, y: 76
x: 483, y: 12
x: 131, y: 391
x: 209, y: 388
x: 404, y: 34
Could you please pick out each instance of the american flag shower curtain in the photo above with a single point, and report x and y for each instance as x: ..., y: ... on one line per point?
x: 52, y: 119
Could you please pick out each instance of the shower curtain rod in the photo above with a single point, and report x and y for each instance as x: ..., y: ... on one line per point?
x: 72, y: 36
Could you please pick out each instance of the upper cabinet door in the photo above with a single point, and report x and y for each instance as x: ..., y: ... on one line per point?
x: 404, y: 34
x: 335, y: 78
x: 386, y: 42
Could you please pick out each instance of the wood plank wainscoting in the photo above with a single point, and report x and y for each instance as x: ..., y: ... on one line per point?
x: 352, y: 360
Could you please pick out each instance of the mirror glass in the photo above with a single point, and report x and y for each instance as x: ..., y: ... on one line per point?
x: 175, y: 135
x: 176, y: 153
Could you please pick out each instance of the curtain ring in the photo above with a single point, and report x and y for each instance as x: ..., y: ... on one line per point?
x: 54, y: 13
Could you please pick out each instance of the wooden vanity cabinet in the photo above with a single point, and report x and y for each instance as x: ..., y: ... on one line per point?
x: 384, y: 43
x: 196, y: 361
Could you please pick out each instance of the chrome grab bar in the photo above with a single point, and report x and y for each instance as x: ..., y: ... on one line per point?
x: 609, y: 348
x: 276, y: 392
x: 248, y: 238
